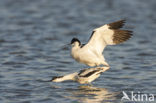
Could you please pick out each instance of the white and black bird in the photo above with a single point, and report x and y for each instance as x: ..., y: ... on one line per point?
x: 91, y: 53
x: 85, y: 76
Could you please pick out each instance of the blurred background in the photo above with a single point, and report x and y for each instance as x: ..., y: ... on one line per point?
x: 32, y: 33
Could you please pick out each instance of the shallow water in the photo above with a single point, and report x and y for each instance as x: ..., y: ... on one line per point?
x: 33, y: 32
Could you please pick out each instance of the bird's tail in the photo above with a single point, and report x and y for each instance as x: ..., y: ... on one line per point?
x: 105, y: 63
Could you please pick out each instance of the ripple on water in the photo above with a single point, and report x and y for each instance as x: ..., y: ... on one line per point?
x: 32, y: 38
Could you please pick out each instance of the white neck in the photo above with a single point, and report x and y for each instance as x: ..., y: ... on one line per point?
x: 76, y: 45
x: 74, y: 49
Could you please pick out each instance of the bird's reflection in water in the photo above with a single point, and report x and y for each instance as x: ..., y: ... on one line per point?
x: 90, y: 94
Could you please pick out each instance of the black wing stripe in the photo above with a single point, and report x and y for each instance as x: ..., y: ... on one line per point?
x: 88, y: 40
x: 90, y: 73
x: 91, y: 35
x: 82, y: 45
x: 81, y: 71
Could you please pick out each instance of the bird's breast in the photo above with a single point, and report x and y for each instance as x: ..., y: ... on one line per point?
x: 85, y: 56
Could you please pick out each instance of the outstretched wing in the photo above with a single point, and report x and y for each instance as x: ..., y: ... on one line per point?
x: 108, y: 34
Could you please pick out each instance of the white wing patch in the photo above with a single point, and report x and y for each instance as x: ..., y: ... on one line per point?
x: 106, y: 34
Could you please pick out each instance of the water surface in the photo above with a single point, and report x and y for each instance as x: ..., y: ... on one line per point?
x: 32, y: 33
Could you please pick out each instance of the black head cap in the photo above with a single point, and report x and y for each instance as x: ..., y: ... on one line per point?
x: 75, y: 40
x: 53, y: 78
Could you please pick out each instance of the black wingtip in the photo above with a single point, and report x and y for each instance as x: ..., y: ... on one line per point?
x: 121, y: 36
x: 117, y: 25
